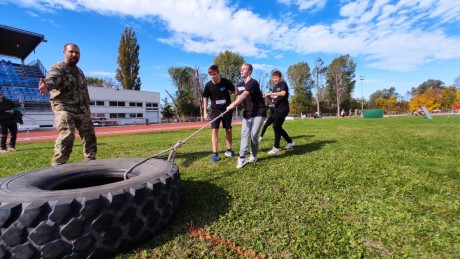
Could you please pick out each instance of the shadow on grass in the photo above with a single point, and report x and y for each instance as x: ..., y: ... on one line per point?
x: 201, y: 204
x: 299, y: 149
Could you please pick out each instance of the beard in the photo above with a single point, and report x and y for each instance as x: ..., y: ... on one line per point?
x: 73, y: 61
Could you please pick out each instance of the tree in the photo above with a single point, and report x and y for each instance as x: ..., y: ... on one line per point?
x: 95, y: 81
x: 385, y: 94
x: 229, y: 64
x: 457, y: 82
x: 167, y: 110
x: 318, y: 74
x: 340, y: 79
x: 448, y: 97
x: 128, y: 61
x: 185, y: 102
x: 430, y: 83
x: 299, y: 77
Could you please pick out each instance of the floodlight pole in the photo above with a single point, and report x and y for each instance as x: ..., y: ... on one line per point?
x: 362, y: 93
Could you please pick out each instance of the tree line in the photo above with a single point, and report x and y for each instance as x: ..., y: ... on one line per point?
x: 316, y: 88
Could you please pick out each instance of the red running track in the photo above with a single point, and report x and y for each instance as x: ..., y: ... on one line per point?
x: 51, y: 134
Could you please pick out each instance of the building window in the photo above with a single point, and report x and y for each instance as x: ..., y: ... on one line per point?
x: 117, y: 115
x: 151, y: 105
x: 115, y: 103
x: 133, y: 104
x: 136, y: 115
x: 96, y: 103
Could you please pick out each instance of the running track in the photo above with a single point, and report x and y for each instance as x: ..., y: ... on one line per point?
x: 51, y: 134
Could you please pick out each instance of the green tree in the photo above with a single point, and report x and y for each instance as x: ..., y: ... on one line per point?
x: 457, y: 82
x: 95, y: 81
x: 423, y: 87
x: 448, y: 97
x: 385, y: 94
x: 167, y: 110
x: 128, y: 60
x: 229, y: 64
x: 185, y: 102
x: 340, y: 80
x: 318, y: 77
x: 299, y: 77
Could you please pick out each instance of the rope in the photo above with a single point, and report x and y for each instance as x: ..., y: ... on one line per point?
x: 173, y: 149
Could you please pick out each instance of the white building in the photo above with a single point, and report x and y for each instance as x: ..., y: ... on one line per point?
x: 125, y: 106
x: 109, y: 106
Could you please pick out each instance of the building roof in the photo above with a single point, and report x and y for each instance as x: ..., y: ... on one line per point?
x: 18, y: 43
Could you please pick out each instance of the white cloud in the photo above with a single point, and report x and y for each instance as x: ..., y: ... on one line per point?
x: 396, y: 35
x: 305, y: 5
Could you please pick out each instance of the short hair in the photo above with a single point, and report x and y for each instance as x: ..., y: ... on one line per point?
x: 213, y: 68
x: 73, y: 44
x: 249, y: 66
x: 277, y: 73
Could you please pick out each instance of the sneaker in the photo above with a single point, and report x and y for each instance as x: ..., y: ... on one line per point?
x: 229, y: 153
x: 214, y: 158
x: 260, y: 139
x: 241, y: 162
x: 252, y: 159
x: 12, y: 149
x: 289, y: 145
x: 3, y: 151
x: 274, y: 151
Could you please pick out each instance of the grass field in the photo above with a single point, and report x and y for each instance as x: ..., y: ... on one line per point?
x: 351, y: 187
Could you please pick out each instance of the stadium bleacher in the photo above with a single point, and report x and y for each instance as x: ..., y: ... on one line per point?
x: 18, y: 81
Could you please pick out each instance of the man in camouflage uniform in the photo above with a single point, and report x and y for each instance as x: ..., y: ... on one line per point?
x: 69, y: 99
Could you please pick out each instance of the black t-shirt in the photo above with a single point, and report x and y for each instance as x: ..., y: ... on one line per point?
x: 281, y: 102
x: 254, y: 104
x: 219, y: 93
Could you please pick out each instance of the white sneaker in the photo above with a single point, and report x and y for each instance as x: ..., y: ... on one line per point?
x: 252, y: 159
x: 3, y: 151
x: 241, y: 162
x: 260, y: 139
x: 274, y: 151
x: 289, y: 145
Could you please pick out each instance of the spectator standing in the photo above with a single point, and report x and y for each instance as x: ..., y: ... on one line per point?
x: 69, y: 99
x: 254, y: 114
x: 280, y: 96
x: 7, y: 124
x: 218, y: 89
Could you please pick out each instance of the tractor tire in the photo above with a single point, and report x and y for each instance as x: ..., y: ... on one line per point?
x: 86, y: 209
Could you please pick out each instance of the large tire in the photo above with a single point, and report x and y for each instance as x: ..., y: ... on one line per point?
x: 86, y: 209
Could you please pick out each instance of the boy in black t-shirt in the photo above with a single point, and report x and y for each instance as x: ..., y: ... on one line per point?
x: 280, y: 97
x: 218, y: 90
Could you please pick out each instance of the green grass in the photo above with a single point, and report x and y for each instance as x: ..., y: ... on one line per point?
x: 351, y: 187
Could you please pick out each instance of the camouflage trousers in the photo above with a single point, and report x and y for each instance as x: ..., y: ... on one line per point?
x: 66, y: 123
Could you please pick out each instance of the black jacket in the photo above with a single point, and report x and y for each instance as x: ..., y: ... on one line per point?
x: 7, y: 105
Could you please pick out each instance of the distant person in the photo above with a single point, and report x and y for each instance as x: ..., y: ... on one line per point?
x: 7, y: 124
x: 69, y: 99
x: 218, y: 89
x: 280, y: 96
x: 342, y: 113
x: 254, y: 114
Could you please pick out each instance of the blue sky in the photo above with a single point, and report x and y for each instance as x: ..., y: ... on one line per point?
x: 399, y: 43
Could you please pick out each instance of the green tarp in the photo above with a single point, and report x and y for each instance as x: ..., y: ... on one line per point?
x: 373, y: 113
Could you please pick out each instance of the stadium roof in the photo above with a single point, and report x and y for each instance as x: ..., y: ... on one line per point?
x: 18, y: 43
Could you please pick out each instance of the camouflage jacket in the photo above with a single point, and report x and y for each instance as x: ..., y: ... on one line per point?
x: 69, y: 91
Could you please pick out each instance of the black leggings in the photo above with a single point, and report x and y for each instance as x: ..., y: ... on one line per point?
x: 268, y: 122
x: 279, y: 118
